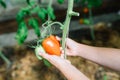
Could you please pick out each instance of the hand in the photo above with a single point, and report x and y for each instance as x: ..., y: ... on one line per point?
x: 69, y: 71
x: 55, y: 60
x: 72, y: 47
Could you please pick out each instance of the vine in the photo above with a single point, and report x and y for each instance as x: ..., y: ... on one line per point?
x: 7, y: 61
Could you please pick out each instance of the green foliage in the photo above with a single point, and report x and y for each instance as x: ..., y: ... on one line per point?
x: 47, y: 63
x: 92, y: 3
x: 21, y: 14
x: 42, y: 14
x: 21, y: 33
x: 34, y: 24
x: 30, y: 2
x: 3, y: 3
x: 86, y: 21
x: 51, y: 13
x: 60, y: 1
x: 77, y: 1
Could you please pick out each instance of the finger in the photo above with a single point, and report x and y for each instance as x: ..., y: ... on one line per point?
x: 70, y: 43
x: 44, y: 55
x: 52, y: 58
x: 58, y: 38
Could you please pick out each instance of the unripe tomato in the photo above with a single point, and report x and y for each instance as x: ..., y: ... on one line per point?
x: 81, y: 21
x: 51, y: 45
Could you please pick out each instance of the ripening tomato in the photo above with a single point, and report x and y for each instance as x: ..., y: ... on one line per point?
x: 85, y: 10
x: 81, y: 21
x: 54, y: 38
x: 51, y: 45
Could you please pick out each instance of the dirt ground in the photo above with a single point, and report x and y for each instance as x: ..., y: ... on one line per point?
x: 25, y: 65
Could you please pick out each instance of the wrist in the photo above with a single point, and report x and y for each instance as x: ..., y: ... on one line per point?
x: 83, y: 50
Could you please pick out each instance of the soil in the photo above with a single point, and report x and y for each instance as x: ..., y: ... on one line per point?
x: 25, y: 65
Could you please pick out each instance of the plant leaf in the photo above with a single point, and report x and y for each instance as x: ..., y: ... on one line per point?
x: 42, y: 14
x: 3, y: 3
x: 92, y: 3
x: 30, y: 2
x: 51, y: 13
x: 22, y: 32
x: 34, y: 24
x: 21, y: 14
x: 47, y: 63
x: 60, y: 1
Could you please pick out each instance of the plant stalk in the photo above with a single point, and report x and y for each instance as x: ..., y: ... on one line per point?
x: 4, y: 58
x: 70, y: 13
x: 91, y: 24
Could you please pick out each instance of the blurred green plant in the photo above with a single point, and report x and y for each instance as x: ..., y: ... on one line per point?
x: 3, y: 3
x: 44, y: 13
x: 89, y: 4
x: 29, y: 12
x: 92, y: 3
x: 7, y: 61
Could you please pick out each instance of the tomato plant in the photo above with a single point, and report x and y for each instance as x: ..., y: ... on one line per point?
x: 47, y: 43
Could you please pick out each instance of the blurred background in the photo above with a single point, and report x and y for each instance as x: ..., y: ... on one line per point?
x: 98, y: 25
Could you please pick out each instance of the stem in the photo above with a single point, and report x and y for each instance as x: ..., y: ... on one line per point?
x: 50, y: 3
x: 70, y: 13
x: 58, y: 23
x: 91, y: 24
x: 4, y: 58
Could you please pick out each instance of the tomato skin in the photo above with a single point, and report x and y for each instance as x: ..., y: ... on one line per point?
x: 85, y: 10
x: 51, y: 45
x: 55, y: 40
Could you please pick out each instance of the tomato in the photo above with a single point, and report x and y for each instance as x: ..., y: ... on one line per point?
x: 85, y: 10
x: 51, y: 45
x: 55, y: 40
x: 81, y: 21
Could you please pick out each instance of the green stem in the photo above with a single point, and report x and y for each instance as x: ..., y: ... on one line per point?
x: 91, y: 24
x: 4, y: 58
x: 70, y: 13
x: 58, y: 23
x: 50, y: 3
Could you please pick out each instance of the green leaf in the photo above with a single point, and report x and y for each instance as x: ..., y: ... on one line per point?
x: 86, y: 21
x: 22, y: 32
x: 47, y: 63
x: 51, y: 13
x: 34, y: 24
x: 35, y: 9
x: 3, y: 3
x: 42, y: 14
x: 30, y: 2
x: 92, y: 3
x: 60, y: 1
x: 21, y: 14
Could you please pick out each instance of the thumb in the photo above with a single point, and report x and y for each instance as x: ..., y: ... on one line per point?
x: 45, y: 55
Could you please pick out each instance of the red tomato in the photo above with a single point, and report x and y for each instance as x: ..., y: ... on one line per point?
x: 51, y: 45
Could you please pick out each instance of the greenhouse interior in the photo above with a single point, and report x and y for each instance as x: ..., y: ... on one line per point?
x: 59, y: 39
